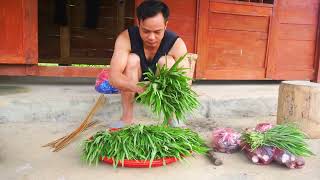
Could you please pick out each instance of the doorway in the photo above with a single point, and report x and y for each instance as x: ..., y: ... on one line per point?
x: 81, y: 32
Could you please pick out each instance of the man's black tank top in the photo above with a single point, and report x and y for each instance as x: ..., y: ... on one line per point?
x: 137, y: 47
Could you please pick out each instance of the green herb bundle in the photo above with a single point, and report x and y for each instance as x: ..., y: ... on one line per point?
x: 287, y: 137
x: 142, y: 143
x: 168, y: 92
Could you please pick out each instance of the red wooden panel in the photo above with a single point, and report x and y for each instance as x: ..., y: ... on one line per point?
x: 182, y: 20
x: 182, y: 9
x: 236, y: 49
x: 11, y: 28
x: 30, y: 31
x: 11, y: 48
x: 232, y: 7
x: 293, y: 37
x: 189, y: 41
x: 235, y: 36
x: 236, y: 22
x: 202, y: 35
x: 186, y: 28
x: 293, y: 75
x: 235, y: 74
x: 232, y: 40
x: 297, y: 32
x: 18, y: 32
x: 298, y: 12
x: 295, y: 54
x: 13, y: 70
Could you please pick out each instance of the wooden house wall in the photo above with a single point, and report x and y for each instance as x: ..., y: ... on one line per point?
x: 235, y: 40
x: 18, y: 35
x: 294, y: 36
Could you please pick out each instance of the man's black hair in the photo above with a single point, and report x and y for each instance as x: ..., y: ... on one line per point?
x: 150, y: 8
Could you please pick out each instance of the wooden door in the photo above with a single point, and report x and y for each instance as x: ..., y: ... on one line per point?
x: 293, y: 40
x: 18, y: 37
x: 232, y: 39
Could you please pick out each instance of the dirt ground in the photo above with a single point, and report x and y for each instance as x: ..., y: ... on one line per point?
x: 23, y: 158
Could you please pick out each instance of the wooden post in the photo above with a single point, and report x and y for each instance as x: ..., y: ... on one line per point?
x: 65, y: 41
x: 299, y: 103
x: 121, y: 7
x: 202, y: 36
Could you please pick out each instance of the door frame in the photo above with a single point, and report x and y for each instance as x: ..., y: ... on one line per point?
x: 26, y: 62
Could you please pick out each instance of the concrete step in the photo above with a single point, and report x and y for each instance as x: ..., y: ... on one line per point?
x: 58, y: 100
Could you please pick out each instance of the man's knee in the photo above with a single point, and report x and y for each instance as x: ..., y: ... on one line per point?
x: 133, y: 61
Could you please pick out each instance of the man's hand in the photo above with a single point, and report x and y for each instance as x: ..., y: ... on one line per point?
x: 138, y: 89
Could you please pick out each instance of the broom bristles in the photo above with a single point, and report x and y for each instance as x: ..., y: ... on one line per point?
x: 86, y: 123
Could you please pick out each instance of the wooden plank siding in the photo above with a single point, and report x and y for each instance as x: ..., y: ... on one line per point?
x: 293, y: 40
x: 182, y: 20
x: 234, y: 39
x: 18, y: 35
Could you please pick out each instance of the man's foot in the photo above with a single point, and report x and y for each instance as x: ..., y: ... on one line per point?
x: 119, y: 124
x: 177, y: 123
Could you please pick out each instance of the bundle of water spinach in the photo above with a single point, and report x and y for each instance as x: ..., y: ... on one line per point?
x: 168, y: 93
x: 141, y: 142
x: 285, y: 136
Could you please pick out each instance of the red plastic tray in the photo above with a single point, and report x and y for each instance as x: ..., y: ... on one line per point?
x: 142, y: 163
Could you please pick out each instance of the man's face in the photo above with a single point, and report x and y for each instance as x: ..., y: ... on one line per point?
x: 152, y: 30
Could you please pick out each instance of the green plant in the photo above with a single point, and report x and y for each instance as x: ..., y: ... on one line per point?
x: 287, y: 137
x: 141, y: 142
x: 168, y: 93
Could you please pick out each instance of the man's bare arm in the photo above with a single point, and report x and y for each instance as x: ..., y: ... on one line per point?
x: 118, y: 65
x: 179, y: 49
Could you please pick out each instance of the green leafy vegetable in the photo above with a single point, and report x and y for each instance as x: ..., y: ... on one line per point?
x: 141, y: 142
x: 168, y: 93
x: 287, y: 137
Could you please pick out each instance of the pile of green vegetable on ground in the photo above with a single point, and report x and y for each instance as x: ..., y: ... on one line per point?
x: 169, y: 95
x: 141, y: 142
